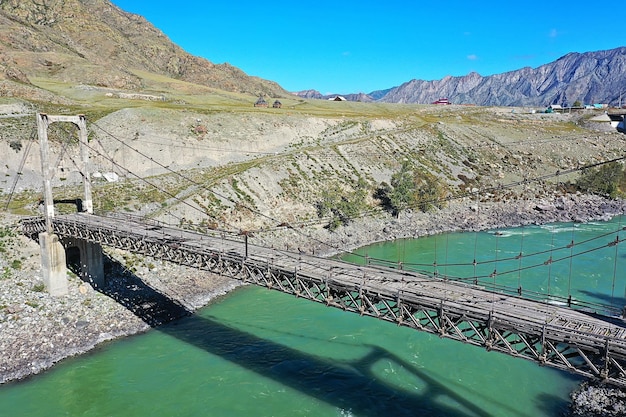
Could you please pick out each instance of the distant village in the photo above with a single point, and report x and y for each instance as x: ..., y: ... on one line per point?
x: 614, y: 117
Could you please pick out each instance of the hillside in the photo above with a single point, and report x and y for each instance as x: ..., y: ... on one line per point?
x: 95, y: 43
x: 248, y: 169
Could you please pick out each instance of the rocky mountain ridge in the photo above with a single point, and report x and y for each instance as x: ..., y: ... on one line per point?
x: 95, y: 43
x: 591, y: 77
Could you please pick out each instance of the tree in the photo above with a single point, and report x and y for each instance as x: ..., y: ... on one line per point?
x: 604, y: 181
x: 402, y: 194
x: 342, y: 204
x: 412, y: 188
x: 577, y: 103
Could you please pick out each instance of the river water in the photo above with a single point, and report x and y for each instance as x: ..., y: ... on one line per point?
x: 258, y: 352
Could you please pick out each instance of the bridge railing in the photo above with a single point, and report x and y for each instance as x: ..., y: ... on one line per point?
x: 132, y: 217
x: 586, y: 306
x: 195, y: 229
x: 32, y: 226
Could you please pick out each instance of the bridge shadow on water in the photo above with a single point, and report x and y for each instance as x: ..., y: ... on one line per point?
x: 607, y: 299
x: 619, y: 303
x: 332, y: 381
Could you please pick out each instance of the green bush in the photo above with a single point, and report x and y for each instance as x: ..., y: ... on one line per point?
x: 342, y: 204
x: 403, y: 189
x: 6, y: 273
x: 605, y: 180
x: 412, y: 188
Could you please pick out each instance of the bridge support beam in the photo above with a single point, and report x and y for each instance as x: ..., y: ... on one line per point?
x: 91, y: 261
x: 53, y: 265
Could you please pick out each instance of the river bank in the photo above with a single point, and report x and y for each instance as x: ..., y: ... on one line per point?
x: 38, y: 330
x: 466, y: 216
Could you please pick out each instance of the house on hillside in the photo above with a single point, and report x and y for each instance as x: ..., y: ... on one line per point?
x: 277, y: 104
x: 442, y: 102
x: 260, y: 102
x: 554, y: 108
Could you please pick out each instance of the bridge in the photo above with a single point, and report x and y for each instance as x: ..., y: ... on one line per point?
x: 590, y: 345
x: 573, y: 337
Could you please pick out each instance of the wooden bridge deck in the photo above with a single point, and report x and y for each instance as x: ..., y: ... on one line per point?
x: 551, y: 335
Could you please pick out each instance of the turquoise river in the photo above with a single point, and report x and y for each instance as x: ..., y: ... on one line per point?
x: 257, y: 352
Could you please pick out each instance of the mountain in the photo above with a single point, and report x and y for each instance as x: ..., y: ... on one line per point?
x: 591, y: 77
x: 309, y: 94
x: 314, y: 94
x: 93, y: 42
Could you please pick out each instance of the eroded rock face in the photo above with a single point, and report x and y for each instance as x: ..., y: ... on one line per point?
x: 10, y: 71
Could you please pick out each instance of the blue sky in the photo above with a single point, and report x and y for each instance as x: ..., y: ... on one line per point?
x: 362, y: 46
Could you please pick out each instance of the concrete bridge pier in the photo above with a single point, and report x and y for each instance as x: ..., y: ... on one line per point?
x: 91, y: 261
x: 53, y: 264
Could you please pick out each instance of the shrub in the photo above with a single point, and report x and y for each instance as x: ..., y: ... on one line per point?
x: 412, y: 188
x: 403, y: 187
x: 604, y: 180
x: 16, y: 145
x: 6, y: 273
x: 342, y: 205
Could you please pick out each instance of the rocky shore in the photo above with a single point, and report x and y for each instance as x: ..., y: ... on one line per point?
x: 465, y: 215
x: 37, y: 330
x: 595, y: 400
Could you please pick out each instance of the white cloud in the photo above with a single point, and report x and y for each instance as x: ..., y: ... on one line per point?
x: 553, y: 33
x: 472, y: 57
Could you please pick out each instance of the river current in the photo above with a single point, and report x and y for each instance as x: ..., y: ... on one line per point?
x: 257, y: 352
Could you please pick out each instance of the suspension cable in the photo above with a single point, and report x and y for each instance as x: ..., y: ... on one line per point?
x: 20, y: 169
x: 615, y: 257
x: 154, y: 185
x: 499, y: 187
